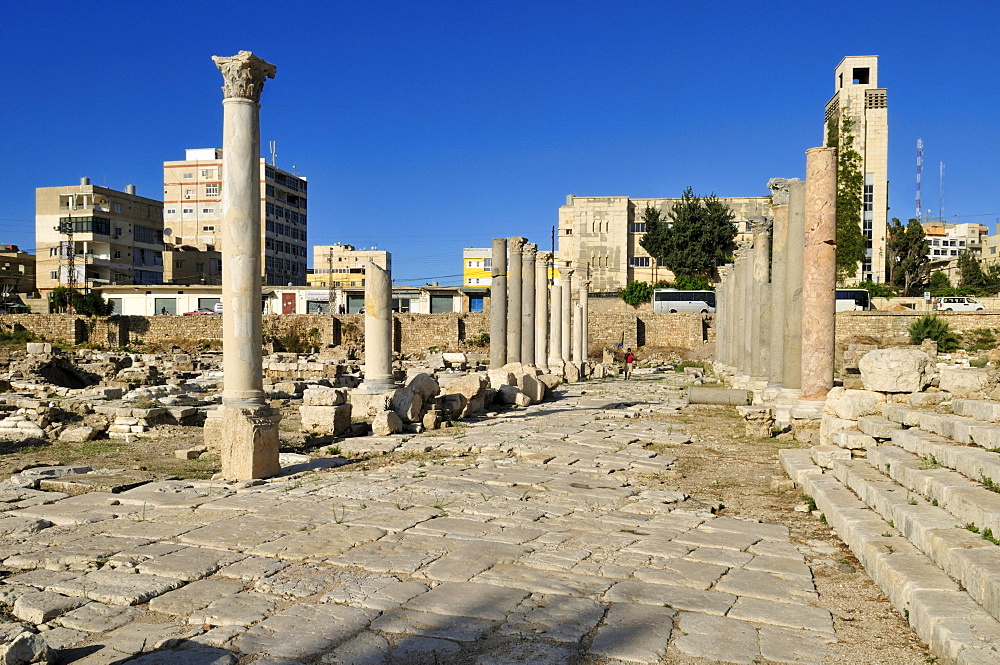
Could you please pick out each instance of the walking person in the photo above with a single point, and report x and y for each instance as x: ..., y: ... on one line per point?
x: 629, y: 361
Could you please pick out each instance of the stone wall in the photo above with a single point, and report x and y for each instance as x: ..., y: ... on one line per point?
x: 50, y: 327
x: 886, y: 327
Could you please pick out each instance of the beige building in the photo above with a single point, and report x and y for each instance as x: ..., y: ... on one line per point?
x: 605, y: 231
x: 184, y: 264
x: 343, y: 266
x: 17, y: 270
x: 857, y: 95
x: 89, y: 236
x: 192, y: 213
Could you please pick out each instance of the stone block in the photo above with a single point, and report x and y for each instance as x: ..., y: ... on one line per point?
x: 551, y: 381
x: 386, y: 423
x: 824, y: 456
x: 326, y: 419
x: 896, y: 370
x: 38, y: 348
x: 572, y: 372
x: 407, y: 404
x: 424, y: 384
x: 877, y: 426
x: 852, y: 439
x: 513, y: 395
x: 501, y: 377
x: 473, y: 387
x: 369, y: 405
x: 324, y: 396
x: 852, y: 404
x: 248, y: 442
x: 962, y: 382
x: 830, y: 425
x: 532, y: 387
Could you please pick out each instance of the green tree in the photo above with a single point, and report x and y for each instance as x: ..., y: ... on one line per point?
x: 970, y: 272
x: 636, y: 293
x: 931, y: 327
x: 939, y: 282
x: 851, y: 242
x: 699, y: 235
x: 91, y: 304
x: 907, y: 261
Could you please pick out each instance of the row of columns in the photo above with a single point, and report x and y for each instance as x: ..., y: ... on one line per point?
x: 776, y: 302
x: 524, y: 327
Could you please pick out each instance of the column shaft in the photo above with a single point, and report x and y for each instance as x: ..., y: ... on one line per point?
x: 566, y: 275
x: 541, y: 308
x: 819, y: 280
x: 498, y: 304
x: 779, y: 259
x: 578, y: 333
x: 792, y: 369
x: 761, y: 297
x: 514, y: 301
x: 528, y: 303
x: 378, y: 329
x: 585, y: 319
x: 555, y: 319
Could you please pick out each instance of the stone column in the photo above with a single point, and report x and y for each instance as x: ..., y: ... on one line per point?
x: 566, y: 276
x: 792, y: 369
x: 514, y: 300
x: 585, y: 314
x: 578, y: 333
x: 528, y: 303
x: 819, y: 277
x: 743, y: 309
x: 498, y: 304
x: 541, y: 308
x: 761, y: 295
x: 378, y: 331
x: 244, y: 428
x: 555, y: 336
x: 779, y: 259
x: 721, y: 313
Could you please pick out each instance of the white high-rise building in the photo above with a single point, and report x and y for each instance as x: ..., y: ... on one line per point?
x: 856, y: 94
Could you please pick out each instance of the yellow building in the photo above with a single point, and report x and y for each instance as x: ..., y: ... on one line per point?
x: 342, y: 266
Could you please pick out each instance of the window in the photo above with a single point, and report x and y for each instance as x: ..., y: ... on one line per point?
x: 487, y: 264
x: 211, y: 190
x: 639, y: 262
x: 208, y: 211
x: 149, y: 236
x: 118, y: 207
x: 188, y: 175
x: 188, y: 193
x: 178, y: 264
x: 54, y: 275
x: 208, y: 229
x: 53, y: 251
x: 269, y: 190
x: 97, y: 225
x: 118, y: 253
x: 208, y: 173
x: 637, y: 227
x: 188, y: 211
x: 860, y: 76
x: 171, y: 211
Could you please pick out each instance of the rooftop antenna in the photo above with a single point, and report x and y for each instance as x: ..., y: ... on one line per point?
x: 273, y: 146
x: 920, y: 170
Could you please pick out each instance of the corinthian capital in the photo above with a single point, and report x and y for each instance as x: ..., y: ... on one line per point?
x: 516, y: 243
x: 244, y: 75
x: 761, y: 225
x: 529, y: 251
x: 542, y: 259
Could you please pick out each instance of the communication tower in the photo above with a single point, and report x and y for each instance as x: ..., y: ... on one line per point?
x: 920, y: 171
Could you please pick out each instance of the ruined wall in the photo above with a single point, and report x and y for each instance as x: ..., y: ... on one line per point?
x: 683, y: 331
x: 887, y: 326
x: 50, y: 327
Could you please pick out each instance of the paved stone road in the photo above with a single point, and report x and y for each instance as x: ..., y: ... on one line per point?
x: 541, y: 537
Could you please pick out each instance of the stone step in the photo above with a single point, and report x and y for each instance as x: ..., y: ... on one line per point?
x: 965, y: 556
x: 957, y: 629
x: 877, y: 426
x: 970, y: 461
x: 903, y: 415
x: 980, y: 409
x: 968, y: 501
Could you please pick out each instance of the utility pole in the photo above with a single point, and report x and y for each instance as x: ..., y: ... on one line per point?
x: 329, y: 278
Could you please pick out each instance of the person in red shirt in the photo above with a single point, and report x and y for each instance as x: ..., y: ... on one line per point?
x: 629, y: 360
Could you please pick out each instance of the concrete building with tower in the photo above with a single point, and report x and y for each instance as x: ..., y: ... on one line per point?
x: 858, y: 96
x: 192, y: 212
x: 605, y: 231
x: 88, y: 236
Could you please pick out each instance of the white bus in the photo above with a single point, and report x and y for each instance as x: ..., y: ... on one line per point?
x: 672, y: 300
x: 853, y: 300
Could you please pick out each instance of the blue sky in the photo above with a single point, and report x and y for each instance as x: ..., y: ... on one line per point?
x: 427, y: 127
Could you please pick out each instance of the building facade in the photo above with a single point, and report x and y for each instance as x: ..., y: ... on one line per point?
x: 17, y: 270
x: 88, y: 236
x: 605, y: 231
x: 192, y: 212
x: 857, y: 96
x: 946, y: 242
x: 342, y: 266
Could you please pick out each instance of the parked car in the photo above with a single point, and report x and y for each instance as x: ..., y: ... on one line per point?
x: 199, y: 311
x: 958, y: 304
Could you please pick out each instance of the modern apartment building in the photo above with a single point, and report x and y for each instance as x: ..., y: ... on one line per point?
x: 343, y: 266
x: 605, y: 231
x: 857, y: 95
x: 17, y: 270
x: 947, y: 241
x: 477, y: 266
x: 88, y: 236
x: 193, y: 213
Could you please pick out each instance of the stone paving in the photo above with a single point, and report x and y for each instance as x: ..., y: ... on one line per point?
x: 540, y: 536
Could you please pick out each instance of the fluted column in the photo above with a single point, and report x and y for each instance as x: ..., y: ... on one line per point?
x: 792, y: 370
x: 779, y: 259
x: 514, y: 275
x: 498, y: 304
x: 528, y: 302
x: 378, y: 330
x: 245, y: 428
x: 761, y: 341
x: 819, y: 279
x: 566, y: 276
x: 541, y: 308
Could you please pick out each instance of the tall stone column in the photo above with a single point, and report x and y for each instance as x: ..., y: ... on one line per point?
x: 541, y: 308
x: 514, y: 300
x: 566, y: 276
x: 819, y: 278
x: 378, y: 331
x: 747, y: 310
x: 555, y: 336
x: 792, y: 369
x: 245, y: 428
x: 761, y: 296
x: 721, y: 314
x: 585, y: 314
x: 528, y: 302
x: 779, y: 254
x: 498, y: 304
x: 578, y: 333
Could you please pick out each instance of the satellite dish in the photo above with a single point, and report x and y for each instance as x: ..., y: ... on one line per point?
x: 167, y: 231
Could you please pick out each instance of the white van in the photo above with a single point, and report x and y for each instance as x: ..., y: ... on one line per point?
x: 673, y: 300
x: 958, y: 304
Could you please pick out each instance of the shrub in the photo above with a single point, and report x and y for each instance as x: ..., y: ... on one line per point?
x: 981, y: 339
x: 931, y: 327
x: 482, y: 339
x: 636, y: 293
x: 692, y: 283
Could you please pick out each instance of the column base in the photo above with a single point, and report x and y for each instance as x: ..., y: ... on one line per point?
x: 378, y: 386
x: 247, y: 440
